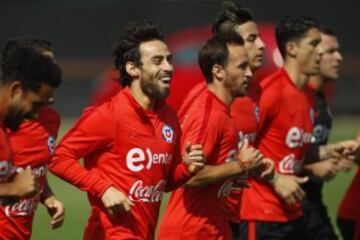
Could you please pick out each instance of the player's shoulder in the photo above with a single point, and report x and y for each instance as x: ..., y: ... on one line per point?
x: 49, y: 115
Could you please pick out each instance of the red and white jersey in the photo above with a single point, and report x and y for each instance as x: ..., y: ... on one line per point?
x: 246, y: 115
x: 285, y: 130
x: 6, y: 158
x: 125, y: 146
x: 199, y: 212
x: 32, y: 146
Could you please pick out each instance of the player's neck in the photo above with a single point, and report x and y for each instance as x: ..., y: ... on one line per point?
x: 2, y: 103
x: 318, y: 83
x: 144, y: 101
x: 299, y: 78
x: 221, y: 92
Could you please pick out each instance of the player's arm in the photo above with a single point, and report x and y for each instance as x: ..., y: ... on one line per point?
x: 185, y: 166
x: 55, y: 207
x: 339, y: 150
x: 248, y: 158
x: 87, y: 136
x: 23, y: 184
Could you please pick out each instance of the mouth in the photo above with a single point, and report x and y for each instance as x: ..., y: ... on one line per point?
x: 165, y: 80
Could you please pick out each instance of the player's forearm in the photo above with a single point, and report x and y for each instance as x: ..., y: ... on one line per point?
x: 46, y: 193
x: 8, y: 190
x: 318, y: 153
x: 211, y: 174
x: 69, y: 169
x: 177, y: 177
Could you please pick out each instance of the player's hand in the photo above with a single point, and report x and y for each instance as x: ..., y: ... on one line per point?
x: 115, y: 201
x: 345, y: 149
x: 265, y: 171
x: 56, y: 210
x: 325, y: 170
x: 25, y: 184
x: 345, y: 164
x: 194, y: 157
x: 288, y: 188
x: 248, y: 157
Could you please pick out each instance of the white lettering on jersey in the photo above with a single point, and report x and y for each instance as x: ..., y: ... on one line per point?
x: 289, y: 164
x: 26, y: 206
x: 249, y: 136
x: 135, y: 159
x: 297, y: 137
x: 142, y: 193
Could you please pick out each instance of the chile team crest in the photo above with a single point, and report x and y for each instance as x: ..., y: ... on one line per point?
x: 167, y: 133
x: 51, y: 144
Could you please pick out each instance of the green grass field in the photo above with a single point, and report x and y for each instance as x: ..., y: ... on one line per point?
x: 77, y: 207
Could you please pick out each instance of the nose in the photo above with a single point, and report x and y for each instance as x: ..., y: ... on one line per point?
x: 168, y: 67
x: 320, y: 49
x: 248, y: 72
x: 260, y: 43
x: 339, y: 56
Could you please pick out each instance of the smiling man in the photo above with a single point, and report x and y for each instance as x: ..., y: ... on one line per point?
x: 130, y: 144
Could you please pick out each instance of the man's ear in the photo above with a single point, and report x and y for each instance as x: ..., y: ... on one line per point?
x: 291, y: 49
x: 16, y: 89
x: 218, y: 72
x: 132, y: 69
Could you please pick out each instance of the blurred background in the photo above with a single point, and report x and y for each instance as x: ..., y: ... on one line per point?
x: 83, y: 33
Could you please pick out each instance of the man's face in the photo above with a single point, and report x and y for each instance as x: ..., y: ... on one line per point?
x: 156, y: 69
x: 24, y: 105
x: 237, y: 71
x: 309, y: 51
x: 253, y: 43
x: 331, y: 57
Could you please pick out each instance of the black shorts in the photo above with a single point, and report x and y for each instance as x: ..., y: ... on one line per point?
x: 349, y: 229
x: 259, y: 230
x: 317, y: 221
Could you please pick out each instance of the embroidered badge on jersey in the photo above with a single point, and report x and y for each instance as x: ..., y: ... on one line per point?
x: 167, y: 133
x: 51, y: 144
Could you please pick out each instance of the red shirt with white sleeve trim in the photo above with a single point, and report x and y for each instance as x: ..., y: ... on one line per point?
x: 125, y: 146
x: 199, y: 212
x: 285, y: 130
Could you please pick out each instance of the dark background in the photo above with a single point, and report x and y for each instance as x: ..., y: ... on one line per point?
x: 83, y: 32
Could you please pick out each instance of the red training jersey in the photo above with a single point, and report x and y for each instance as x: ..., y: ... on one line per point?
x: 125, y: 146
x: 246, y: 115
x: 5, y: 156
x: 32, y: 145
x: 199, y: 212
x: 285, y: 130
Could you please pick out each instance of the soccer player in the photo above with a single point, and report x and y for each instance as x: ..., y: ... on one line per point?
x: 284, y: 131
x: 17, y: 216
x: 315, y: 212
x: 28, y: 81
x: 130, y: 144
x: 198, y: 212
x: 244, y: 110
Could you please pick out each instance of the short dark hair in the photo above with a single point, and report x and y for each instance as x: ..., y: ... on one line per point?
x: 38, y: 43
x: 30, y: 67
x: 229, y: 16
x: 215, y: 51
x: 293, y: 28
x: 328, y: 31
x: 128, y: 42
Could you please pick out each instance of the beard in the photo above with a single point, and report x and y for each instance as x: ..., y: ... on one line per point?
x: 153, y: 90
x: 13, y: 118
